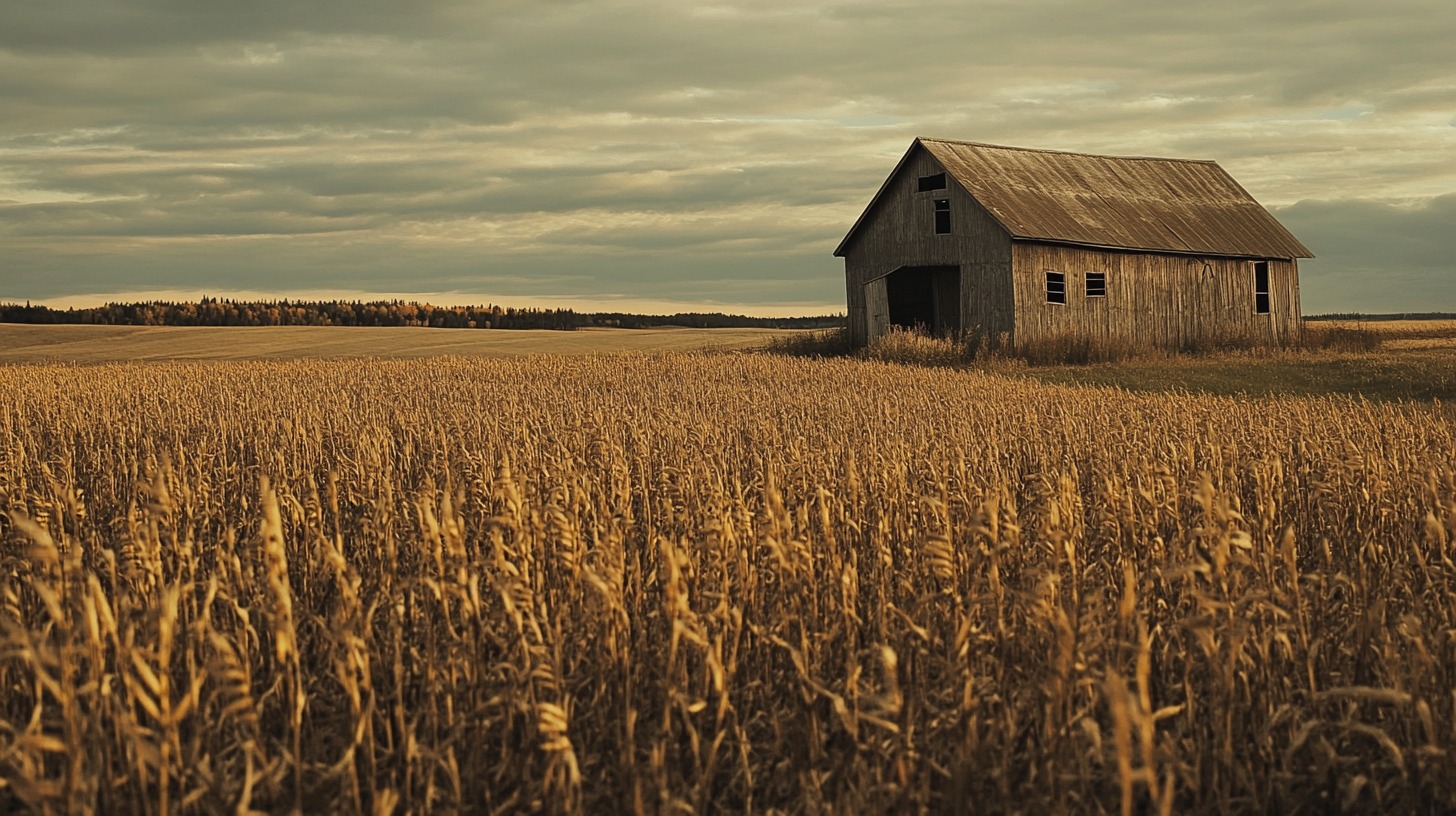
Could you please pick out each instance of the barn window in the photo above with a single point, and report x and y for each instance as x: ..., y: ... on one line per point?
x: 1096, y: 284
x: 935, y: 182
x: 1261, y: 287
x: 1056, y: 287
x: 942, y: 216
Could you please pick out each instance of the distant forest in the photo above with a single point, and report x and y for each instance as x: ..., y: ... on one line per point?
x: 216, y: 312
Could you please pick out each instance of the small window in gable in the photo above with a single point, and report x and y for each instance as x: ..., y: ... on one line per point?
x: 935, y: 182
x: 942, y: 216
x: 1056, y: 287
x: 1261, y: 287
x: 1096, y: 284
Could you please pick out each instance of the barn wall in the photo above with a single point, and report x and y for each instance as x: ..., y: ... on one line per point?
x: 1164, y: 300
x: 855, y: 298
x: 900, y: 231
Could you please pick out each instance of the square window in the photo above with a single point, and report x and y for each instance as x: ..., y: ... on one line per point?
x: 1056, y: 287
x: 935, y: 182
x: 1096, y: 284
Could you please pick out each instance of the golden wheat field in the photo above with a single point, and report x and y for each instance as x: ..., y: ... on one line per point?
x: 693, y: 583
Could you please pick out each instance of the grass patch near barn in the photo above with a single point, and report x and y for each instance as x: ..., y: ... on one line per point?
x: 1381, y: 375
x: 1378, y: 360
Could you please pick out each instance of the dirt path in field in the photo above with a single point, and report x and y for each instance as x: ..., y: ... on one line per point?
x: 98, y: 344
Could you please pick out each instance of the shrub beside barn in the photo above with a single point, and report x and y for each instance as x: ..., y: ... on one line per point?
x: 1034, y: 245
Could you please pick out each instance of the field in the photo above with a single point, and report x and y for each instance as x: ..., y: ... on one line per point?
x: 98, y: 344
x: 1408, y: 334
x: 692, y: 582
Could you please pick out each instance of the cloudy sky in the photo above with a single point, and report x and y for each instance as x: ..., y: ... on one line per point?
x: 674, y: 153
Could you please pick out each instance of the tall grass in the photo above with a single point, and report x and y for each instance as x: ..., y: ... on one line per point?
x: 1327, y: 337
x: 973, y: 347
x: 820, y: 343
x: 694, y: 583
x: 918, y: 348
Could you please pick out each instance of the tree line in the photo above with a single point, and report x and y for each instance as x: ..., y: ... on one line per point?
x: 1381, y: 316
x: 224, y: 312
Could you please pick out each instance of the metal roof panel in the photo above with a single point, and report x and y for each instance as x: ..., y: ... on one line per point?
x: 1137, y: 203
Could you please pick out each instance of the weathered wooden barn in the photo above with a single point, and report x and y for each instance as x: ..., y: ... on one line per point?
x: 1033, y: 244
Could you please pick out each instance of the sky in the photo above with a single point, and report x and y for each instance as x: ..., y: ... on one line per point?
x: 673, y: 155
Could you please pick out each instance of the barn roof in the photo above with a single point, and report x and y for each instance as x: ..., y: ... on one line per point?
x: 1137, y: 203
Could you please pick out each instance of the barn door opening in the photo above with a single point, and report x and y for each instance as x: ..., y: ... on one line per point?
x: 927, y: 298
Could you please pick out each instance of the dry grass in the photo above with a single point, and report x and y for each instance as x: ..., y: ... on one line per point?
x: 1397, y: 328
x: 976, y: 348
x: 731, y: 583
x: 822, y: 343
x: 1427, y: 375
x: 1403, y: 335
x: 911, y: 347
x: 1351, y: 338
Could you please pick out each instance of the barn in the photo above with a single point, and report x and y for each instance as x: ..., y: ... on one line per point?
x: 1028, y: 245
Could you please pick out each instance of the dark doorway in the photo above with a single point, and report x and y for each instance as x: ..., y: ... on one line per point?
x: 925, y: 297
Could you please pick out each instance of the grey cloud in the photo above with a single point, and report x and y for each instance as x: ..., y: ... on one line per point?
x: 374, y: 192
x: 376, y: 84
x: 644, y: 145
x: 1376, y: 256
x: 122, y: 219
x: 345, y: 264
x: 127, y: 26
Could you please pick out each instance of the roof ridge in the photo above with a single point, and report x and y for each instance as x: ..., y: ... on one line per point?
x: 1064, y: 152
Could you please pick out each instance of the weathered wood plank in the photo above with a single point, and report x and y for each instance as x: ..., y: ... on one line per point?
x: 1153, y: 298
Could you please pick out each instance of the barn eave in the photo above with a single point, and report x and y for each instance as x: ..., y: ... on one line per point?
x: 1253, y: 256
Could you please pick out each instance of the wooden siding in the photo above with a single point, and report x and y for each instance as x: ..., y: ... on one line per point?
x: 899, y: 230
x: 855, y: 296
x: 949, y: 307
x: 1165, y: 300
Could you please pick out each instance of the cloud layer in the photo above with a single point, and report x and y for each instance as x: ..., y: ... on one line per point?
x: 684, y: 151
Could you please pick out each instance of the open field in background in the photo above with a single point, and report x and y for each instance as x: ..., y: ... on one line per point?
x: 1405, y: 335
x: 99, y: 344
x: 695, y: 583
x: 1398, y: 328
